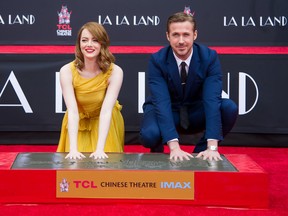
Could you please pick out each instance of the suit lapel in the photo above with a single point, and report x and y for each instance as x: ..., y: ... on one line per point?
x: 192, y: 73
x: 174, y: 72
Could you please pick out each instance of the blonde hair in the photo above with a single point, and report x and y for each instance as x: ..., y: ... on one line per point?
x: 105, y: 58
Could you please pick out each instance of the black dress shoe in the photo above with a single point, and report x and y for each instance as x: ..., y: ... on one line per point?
x: 157, y: 149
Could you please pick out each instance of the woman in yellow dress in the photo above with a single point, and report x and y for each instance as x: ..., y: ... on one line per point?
x: 90, y: 86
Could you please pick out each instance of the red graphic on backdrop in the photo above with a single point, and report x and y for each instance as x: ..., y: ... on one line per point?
x: 63, y: 27
x: 187, y: 10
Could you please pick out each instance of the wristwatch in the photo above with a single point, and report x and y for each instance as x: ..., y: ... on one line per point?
x: 213, y: 148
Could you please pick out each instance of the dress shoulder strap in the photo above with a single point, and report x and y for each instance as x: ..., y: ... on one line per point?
x: 109, y: 70
x: 73, y: 68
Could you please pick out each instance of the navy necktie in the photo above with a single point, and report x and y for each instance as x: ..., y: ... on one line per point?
x: 183, y: 74
x: 184, y: 117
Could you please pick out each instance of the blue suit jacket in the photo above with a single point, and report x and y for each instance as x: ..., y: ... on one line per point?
x: 204, y: 84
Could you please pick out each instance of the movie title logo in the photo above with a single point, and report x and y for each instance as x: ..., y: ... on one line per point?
x: 129, y: 20
x: 17, y: 19
x: 63, y: 26
x: 252, y: 21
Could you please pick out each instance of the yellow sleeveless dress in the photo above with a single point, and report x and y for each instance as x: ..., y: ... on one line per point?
x: 90, y: 93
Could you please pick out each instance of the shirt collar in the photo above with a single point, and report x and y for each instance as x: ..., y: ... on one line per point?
x: 187, y: 61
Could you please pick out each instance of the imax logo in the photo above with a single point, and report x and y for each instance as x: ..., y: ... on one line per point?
x: 175, y: 185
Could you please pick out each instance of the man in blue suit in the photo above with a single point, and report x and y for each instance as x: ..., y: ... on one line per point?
x: 196, y: 96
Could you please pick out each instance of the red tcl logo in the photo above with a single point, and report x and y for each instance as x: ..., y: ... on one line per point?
x: 85, y: 184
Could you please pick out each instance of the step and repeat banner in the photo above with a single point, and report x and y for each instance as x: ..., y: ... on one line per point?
x: 30, y: 94
x: 143, y: 22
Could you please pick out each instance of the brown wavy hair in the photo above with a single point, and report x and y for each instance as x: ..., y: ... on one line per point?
x: 105, y: 58
x: 181, y: 17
